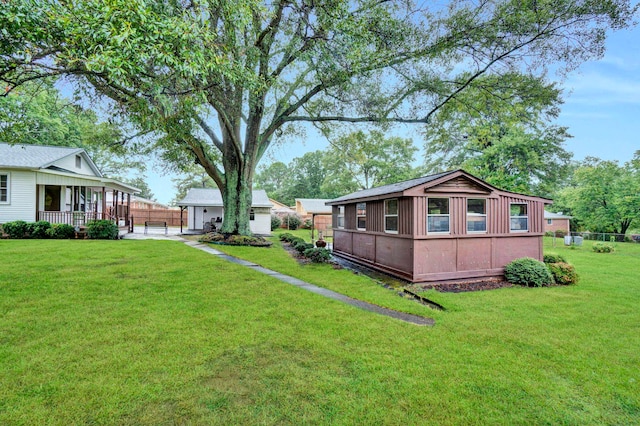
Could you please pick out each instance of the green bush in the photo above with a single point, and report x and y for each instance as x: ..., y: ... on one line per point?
x: 275, y: 222
x: 302, y: 247
x: 295, y: 240
x: 244, y: 240
x: 291, y: 221
x: 211, y: 237
x: 102, y: 230
x: 318, y: 255
x: 60, y: 231
x: 17, y: 229
x: 554, y: 258
x: 308, y: 224
x: 563, y: 273
x: 602, y: 248
x: 286, y: 237
x: 529, y: 272
x: 39, y: 229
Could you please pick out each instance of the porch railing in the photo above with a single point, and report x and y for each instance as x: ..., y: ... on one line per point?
x: 71, y: 218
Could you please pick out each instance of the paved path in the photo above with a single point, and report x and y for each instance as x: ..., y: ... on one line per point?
x: 410, y: 318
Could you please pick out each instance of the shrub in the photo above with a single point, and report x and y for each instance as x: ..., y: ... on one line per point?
x: 602, y: 248
x: 308, y: 224
x: 286, y: 237
x: 563, y: 273
x: 17, y: 229
x: 302, y: 247
x: 39, y: 229
x: 102, y: 230
x: 275, y: 222
x: 554, y: 258
x: 529, y: 272
x: 211, y: 237
x: 60, y: 231
x: 318, y: 255
x: 295, y: 240
x: 291, y: 221
x: 245, y: 240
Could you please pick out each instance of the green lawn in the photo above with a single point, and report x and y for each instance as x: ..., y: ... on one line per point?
x: 155, y: 332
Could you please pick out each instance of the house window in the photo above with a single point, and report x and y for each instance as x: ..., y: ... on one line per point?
x: 4, y: 188
x: 361, y: 216
x: 252, y: 214
x: 340, y: 217
x: 476, y: 215
x: 518, y: 218
x: 78, y: 162
x: 438, y: 215
x: 549, y: 221
x: 391, y: 216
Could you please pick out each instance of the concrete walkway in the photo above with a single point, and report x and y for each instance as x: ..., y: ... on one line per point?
x: 410, y: 318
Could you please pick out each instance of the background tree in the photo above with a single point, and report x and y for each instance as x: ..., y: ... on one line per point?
x: 360, y: 161
x: 191, y: 176
x: 275, y: 179
x: 219, y: 80
x: 38, y: 114
x: 604, y: 195
x: 141, y: 183
x: 509, y: 144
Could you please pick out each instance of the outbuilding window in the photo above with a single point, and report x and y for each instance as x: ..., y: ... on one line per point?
x: 4, y: 188
x: 438, y: 215
x: 252, y: 214
x: 341, y: 217
x: 361, y: 216
x: 519, y: 221
x: 476, y: 215
x: 391, y: 216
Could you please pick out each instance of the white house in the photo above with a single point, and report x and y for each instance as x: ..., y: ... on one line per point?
x: 59, y: 185
x: 206, y: 211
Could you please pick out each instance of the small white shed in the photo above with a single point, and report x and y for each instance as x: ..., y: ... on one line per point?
x: 206, y: 210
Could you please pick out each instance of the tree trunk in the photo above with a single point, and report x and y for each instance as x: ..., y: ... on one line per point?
x: 237, y: 198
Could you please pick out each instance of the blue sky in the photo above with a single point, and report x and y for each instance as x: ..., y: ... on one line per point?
x: 601, y: 110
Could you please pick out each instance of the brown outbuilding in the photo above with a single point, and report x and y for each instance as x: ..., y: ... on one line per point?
x: 451, y: 226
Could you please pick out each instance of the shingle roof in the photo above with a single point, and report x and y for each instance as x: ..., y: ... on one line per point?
x: 390, y: 189
x: 33, y: 156
x: 213, y: 197
x: 314, y: 205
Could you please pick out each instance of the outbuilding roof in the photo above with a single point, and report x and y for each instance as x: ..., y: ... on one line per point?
x: 213, y: 197
x: 399, y: 188
x: 40, y: 156
x: 314, y: 205
x: 389, y: 189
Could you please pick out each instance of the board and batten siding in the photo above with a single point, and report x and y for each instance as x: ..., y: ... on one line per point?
x: 22, y: 197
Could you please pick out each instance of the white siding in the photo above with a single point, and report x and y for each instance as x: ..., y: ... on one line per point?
x: 22, y: 197
x: 69, y: 163
x: 261, y: 225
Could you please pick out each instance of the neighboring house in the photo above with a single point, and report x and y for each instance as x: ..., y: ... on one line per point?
x: 281, y: 210
x: 557, y: 222
x: 445, y: 227
x: 147, y: 204
x: 316, y: 210
x: 59, y: 185
x: 206, y: 211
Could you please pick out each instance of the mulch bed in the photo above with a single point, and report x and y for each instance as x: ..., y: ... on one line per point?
x: 459, y: 287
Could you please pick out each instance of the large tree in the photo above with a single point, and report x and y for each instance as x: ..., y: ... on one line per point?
x: 362, y: 160
x: 513, y: 144
x: 604, y: 195
x: 39, y: 114
x: 219, y: 80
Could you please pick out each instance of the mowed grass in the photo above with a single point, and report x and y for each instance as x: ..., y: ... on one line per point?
x: 155, y: 332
